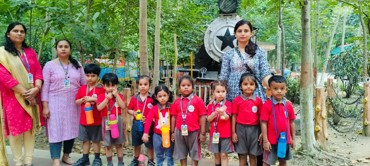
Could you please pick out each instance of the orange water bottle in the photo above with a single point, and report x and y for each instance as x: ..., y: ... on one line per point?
x: 166, y: 143
x: 89, y: 113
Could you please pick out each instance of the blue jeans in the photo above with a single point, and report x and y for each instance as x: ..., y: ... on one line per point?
x: 56, y: 148
x: 162, y: 153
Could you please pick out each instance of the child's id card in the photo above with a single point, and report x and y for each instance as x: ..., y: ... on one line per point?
x: 30, y: 78
x: 184, y: 130
x: 66, y: 83
x: 216, y: 138
x: 107, y: 125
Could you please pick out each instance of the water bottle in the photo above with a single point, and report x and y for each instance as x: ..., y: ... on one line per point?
x: 282, y: 145
x: 89, y: 113
x: 139, y: 123
x: 166, y: 143
x: 113, y: 124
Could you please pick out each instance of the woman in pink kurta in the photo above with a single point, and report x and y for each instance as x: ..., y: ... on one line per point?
x: 18, y: 63
x: 62, y: 79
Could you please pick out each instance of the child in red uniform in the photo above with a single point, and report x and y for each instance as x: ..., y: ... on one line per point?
x: 161, y: 115
x: 110, y: 104
x: 219, y: 113
x: 90, y: 132
x: 188, y: 123
x: 141, y: 102
x: 245, y: 121
x: 277, y: 123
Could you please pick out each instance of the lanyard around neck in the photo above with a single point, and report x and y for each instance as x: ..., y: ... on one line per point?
x: 137, y: 103
x: 65, y: 69
x: 183, y: 115
x: 88, y: 90
x: 25, y: 63
x: 274, y: 113
x: 215, y: 122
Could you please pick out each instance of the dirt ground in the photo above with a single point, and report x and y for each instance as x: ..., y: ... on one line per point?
x: 349, y: 149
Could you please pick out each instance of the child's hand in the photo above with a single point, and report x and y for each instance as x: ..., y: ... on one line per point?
x: 88, y: 99
x: 292, y: 143
x: 145, y: 138
x: 173, y: 137
x: 115, y: 92
x: 266, y: 146
x: 235, y: 137
x: 202, y: 137
x: 260, y: 139
x: 109, y: 96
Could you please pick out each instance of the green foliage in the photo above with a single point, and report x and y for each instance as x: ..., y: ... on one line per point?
x: 293, y: 90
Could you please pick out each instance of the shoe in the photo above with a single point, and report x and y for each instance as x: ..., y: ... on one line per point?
x: 151, y: 163
x: 97, y: 162
x: 67, y: 160
x: 82, y: 162
x: 110, y: 164
x: 134, y: 162
x: 121, y: 164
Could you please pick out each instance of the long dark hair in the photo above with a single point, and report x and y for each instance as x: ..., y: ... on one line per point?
x: 70, y: 58
x: 251, y: 47
x: 8, y: 44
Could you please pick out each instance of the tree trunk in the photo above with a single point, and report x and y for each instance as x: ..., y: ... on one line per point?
x: 144, y: 68
x: 366, y: 116
x: 279, y: 43
x: 306, y: 81
x: 157, y: 41
x: 278, y: 50
x: 343, y: 32
x: 327, y: 54
x: 120, y: 38
x: 281, y: 28
x: 174, y: 80
x: 321, y: 130
x: 315, y: 47
x: 46, y: 31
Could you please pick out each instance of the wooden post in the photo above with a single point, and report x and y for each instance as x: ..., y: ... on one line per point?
x: 321, y: 134
x: 330, y: 89
x: 127, y: 118
x: 366, y: 116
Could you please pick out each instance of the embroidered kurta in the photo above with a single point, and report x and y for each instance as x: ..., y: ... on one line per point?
x: 16, y: 119
x: 233, y: 66
x: 63, y: 123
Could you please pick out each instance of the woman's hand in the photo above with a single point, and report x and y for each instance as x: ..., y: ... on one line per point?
x: 46, y: 113
x: 173, y: 137
x: 31, y: 93
x: 202, y: 137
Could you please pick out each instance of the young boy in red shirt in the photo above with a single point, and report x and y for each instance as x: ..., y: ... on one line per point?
x: 90, y: 131
x: 277, y: 124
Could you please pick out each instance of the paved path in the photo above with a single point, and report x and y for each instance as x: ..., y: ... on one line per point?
x: 42, y: 158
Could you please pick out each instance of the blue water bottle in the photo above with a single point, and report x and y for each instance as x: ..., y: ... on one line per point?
x: 139, y: 123
x: 282, y: 145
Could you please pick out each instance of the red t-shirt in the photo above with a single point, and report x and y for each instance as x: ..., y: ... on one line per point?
x: 223, y: 126
x: 248, y: 108
x: 282, y: 122
x: 136, y: 103
x: 196, y: 109
x: 104, y: 111
x: 95, y: 92
x: 154, y: 114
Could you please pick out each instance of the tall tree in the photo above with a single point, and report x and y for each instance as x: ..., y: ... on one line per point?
x: 157, y: 43
x: 306, y: 81
x: 144, y: 67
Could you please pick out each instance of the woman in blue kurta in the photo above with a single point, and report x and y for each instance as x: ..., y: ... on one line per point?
x: 235, y: 60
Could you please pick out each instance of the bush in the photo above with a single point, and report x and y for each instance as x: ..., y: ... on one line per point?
x: 293, y: 90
